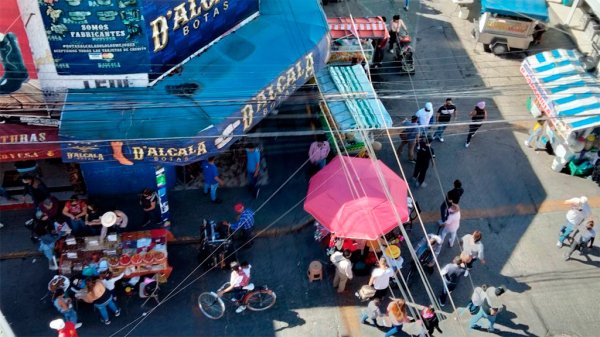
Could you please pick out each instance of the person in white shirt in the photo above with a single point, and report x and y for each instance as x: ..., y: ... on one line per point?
x: 472, y: 245
x: 425, y: 115
x: 451, y: 225
x: 237, y: 281
x: 343, y: 269
x: 579, y: 211
x: 477, y: 299
x: 380, y: 278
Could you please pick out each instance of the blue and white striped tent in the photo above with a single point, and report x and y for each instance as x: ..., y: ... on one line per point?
x: 560, y: 81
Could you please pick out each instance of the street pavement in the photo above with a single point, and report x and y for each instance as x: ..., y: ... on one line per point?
x: 511, y: 195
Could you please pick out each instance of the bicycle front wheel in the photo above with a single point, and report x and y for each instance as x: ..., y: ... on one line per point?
x: 211, y: 305
x: 261, y: 300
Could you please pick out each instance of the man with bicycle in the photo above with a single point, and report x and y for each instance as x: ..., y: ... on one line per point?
x: 239, y: 280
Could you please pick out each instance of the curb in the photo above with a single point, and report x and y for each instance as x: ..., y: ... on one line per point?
x: 179, y: 241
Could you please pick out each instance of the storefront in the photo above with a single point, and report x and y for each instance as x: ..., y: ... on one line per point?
x: 352, y: 38
x: 567, y: 97
x: 200, y: 108
x: 349, y: 107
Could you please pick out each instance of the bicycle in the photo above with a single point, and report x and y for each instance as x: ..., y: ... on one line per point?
x: 255, y: 299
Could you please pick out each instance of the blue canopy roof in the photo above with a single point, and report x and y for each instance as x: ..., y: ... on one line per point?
x: 350, y: 98
x: 536, y: 9
x: 225, y: 90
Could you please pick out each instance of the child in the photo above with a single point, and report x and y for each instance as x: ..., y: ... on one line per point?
x: 370, y: 314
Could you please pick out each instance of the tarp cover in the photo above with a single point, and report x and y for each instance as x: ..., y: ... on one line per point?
x: 364, y: 28
x: 561, y: 83
x: 535, y: 9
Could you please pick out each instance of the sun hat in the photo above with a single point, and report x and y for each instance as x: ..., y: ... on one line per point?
x: 392, y: 251
x: 108, y: 219
x: 57, y: 324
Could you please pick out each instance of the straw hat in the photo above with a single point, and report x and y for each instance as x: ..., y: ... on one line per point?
x: 392, y: 251
x: 57, y: 324
x: 108, y: 219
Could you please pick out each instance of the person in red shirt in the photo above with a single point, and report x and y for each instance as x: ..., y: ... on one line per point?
x: 65, y: 329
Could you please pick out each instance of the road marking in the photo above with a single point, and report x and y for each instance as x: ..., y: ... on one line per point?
x: 350, y: 320
x: 547, y: 206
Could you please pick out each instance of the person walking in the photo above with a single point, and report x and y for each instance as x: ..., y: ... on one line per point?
x: 64, y: 329
x: 148, y: 202
x: 409, y: 136
x: 477, y: 299
x: 64, y: 305
x: 371, y: 313
x: 395, y: 27
x: 396, y: 311
x: 253, y: 168
x: 452, y: 197
x: 101, y: 298
x: 451, y: 225
x: 425, y: 116
x: 75, y: 210
x: 245, y: 224
x: 489, y: 309
x: 318, y: 152
x: 472, y: 245
x: 343, y: 269
x: 579, y: 211
x: 380, y: 279
x: 47, y: 242
x: 451, y: 275
x: 581, y: 237
x: 478, y: 115
x: 444, y: 115
x: 406, y: 5
x: 212, y: 180
x: 424, y: 156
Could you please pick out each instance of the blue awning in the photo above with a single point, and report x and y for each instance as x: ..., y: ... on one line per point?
x: 218, y: 96
x: 350, y: 98
x: 561, y: 83
x: 535, y: 9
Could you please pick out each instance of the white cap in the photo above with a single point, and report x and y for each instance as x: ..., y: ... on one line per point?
x: 57, y: 324
x: 108, y: 219
x: 428, y: 106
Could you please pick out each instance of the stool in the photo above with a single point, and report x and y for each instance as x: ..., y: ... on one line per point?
x: 315, y: 271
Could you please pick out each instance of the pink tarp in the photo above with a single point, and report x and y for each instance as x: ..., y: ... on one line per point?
x: 348, y: 198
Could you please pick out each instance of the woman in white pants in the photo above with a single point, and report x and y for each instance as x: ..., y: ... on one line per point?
x: 451, y: 225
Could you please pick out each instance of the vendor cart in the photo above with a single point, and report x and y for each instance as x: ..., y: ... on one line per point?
x: 350, y: 37
x: 142, y: 252
x: 508, y: 25
x: 568, y: 97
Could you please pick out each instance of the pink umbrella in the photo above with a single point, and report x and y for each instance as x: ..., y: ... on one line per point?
x: 348, y: 198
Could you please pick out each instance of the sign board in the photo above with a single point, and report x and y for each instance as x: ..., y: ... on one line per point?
x: 506, y: 26
x: 23, y: 142
x: 95, y: 36
x: 177, y: 29
x: 211, y: 140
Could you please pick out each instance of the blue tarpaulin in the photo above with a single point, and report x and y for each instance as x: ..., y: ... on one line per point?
x: 215, y: 97
x: 535, y: 9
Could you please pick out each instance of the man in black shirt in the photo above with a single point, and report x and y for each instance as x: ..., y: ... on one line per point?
x: 452, y: 197
x: 443, y: 117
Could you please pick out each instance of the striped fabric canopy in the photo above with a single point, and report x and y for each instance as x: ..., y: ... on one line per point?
x: 564, y: 88
x: 350, y: 98
x: 364, y: 28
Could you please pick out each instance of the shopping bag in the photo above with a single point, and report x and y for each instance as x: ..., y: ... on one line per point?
x: 366, y: 292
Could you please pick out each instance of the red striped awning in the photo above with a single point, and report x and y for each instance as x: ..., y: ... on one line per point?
x: 363, y: 28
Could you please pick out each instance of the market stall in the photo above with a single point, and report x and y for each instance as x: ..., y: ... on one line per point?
x: 143, y: 252
x: 349, y: 104
x: 353, y: 36
x: 567, y: 96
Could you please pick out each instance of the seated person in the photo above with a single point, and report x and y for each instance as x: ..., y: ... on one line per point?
x: 75, y: 210
x: 238, y: 283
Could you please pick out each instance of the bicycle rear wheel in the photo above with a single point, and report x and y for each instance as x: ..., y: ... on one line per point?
x: 261, y: 300
x: 211, y: 305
